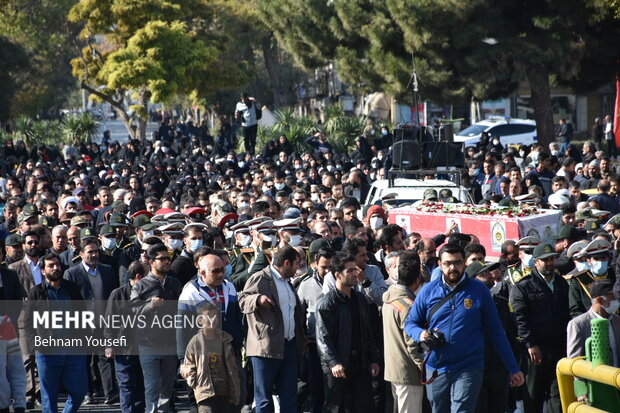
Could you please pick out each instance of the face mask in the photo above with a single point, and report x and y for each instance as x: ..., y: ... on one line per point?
x: 495, y: 141
x: 108, y: 243
x: 384, y: 132
x: 528, y: 261
x: 521, y: 154
x: 280, y: 186
x: 165, y: 149
x: 555, y: 153
x: 582, y: 266
x: 613, y: 307
x: 380, y: 157
x: 372, y: 131
x: 295, y: 240
x: 599, y: 267
x: 241, y: 164
x: 227, y: 271
x: 195, y: 244
x: 330, y: 168
x: 376, y: 222
x: 243, y: 204
x: 265, y: 188
x: 175, y: 244
x: 246, y: 240
x: 147, y: 234
x: 314, y: 197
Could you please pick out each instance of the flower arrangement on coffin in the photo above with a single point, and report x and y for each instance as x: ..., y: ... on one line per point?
x: 469, y: 209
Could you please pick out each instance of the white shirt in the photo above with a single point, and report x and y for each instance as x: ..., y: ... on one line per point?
x: 249, y: 116
x: 35, y: 269
x: 286, y: 298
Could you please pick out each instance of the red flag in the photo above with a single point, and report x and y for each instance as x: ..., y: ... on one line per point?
x: 616, y: 118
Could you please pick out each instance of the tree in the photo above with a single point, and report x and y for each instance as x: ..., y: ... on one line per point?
x: 141, y: 51
x: 13, y: 59
x: 41, y: 36
x: 476, y: 49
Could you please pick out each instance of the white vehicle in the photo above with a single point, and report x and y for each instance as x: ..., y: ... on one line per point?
x: 408, y: 191
x: 510, y: 131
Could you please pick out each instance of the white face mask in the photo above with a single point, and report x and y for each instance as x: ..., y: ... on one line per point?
x: 581, y: 266
x: 147, y: 234
x: 165, y: 149
x: 175, y: 244
x: 108, y: 243
x: 265, y: 188
x: 295, y: 240
x: 376, y: 222
x: 243, y: 204
x: 279, y: 185
x: 246, y: 239
x: 613, y: 307
x: 495, y: 141
x: 528, y: 261
x: 195, y: 244
x: 314, y: 197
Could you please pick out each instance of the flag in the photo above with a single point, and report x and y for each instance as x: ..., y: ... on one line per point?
x: 616, y: 118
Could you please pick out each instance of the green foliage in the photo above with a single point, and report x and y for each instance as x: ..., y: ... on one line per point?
x: 81, y: 127
x: 342, y: 130
x: 295, y: 128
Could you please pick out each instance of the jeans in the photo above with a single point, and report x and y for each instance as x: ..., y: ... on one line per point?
x: 130, y: 383
x: 160, y: 373
x: 69, y: 371
x: 455, y: 392
x: 249, y: 137
x: 279, y: 372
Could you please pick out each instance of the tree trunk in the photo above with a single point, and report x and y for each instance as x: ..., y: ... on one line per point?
x: 272, y: 64
x: 538, y: 76
x: 117, y: 105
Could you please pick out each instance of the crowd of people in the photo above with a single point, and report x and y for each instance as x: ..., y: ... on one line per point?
x: 313, y: 301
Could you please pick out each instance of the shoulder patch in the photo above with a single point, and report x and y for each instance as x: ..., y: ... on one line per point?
x: 128, y: 245
x: 247, y: 250
x: 401, y: 304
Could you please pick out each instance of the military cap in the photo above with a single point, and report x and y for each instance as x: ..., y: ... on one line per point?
x: 47, y: 221
x: 195, y: 211
x: 251, y: 223
x: 543, y: 251
x: 79, y: 220
x: 175, y: 217
x: 615, y: 221
x: 106, y: 230
x: 118, y: 220
x: 585, y: 213
x: 141, y: 212
x: 597, y: 247
x: 66, y: 216
x: 86, y: 233
x: 558, y: 201
x: 228, y: 220
x: 592, y: 225
x: 291, y: 224
x: 264, y: 226
x: 164, y: 211
x: 30, y: 209
x: 196, y: 226
x: 574, y: 251
x: 567, y: 232
x: 13, y: 240
x: 173, y: 228
x: 140, y: 220
x: 430, y: 194
x: 21, y: 217
x: 148, y: 226
x: 528, y: 243
x: 241, y: 227
x: 525, y: 198
x: 478, y: 267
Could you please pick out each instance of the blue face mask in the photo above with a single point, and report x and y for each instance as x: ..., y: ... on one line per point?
x: 599, y: 268
x: 528, y: 260
x: 195, y: 244
x: 227, y: 271
x: 582, y: 266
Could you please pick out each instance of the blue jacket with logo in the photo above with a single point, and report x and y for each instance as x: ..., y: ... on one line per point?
x: 465, y: 320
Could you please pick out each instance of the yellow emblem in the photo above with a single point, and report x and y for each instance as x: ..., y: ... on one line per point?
x: 468, y: 303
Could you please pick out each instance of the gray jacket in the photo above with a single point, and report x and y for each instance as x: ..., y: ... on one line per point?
x: 374, y: 291
x: 579, y: 329
x: 309, y: 292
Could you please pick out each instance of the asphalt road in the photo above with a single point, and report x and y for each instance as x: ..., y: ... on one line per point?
x: 118, y: 131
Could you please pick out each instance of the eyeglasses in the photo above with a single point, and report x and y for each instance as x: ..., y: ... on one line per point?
x: 32, y: 243
x: 163, y: 258
x: 299, y: 199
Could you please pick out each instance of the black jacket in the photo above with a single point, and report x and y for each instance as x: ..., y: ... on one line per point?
x: 333, y: 331
x: 542, y: 315
x: 118, y: 305
x: 183, y: 267
x: 11, y: 294
x: 38, y: 300
x: 140, y: 303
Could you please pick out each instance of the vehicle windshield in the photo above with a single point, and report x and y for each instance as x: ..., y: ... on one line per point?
x: 473, y: 130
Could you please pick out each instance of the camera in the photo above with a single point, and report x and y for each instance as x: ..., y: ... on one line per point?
x: 435, y: 340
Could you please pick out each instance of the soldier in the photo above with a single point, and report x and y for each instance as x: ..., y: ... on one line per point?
x: 119, y: 223
x: 289, y: 231
x: 173, y: 238
x: 515, y: 272
x: 596, y: 255
x: 111, y: 254
x: 14, y: 249
x: 183, y: 266
x: 242, y: 253
x: 540, y: 303
x: 566, y: 236
x: 263, y: 242
x: 144, y: 229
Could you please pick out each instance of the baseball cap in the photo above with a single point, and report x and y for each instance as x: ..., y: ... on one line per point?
x: 318, y: 244
x: 106, y: 230
x: 478, y: 267
x: 567, y: 232
x: 13, y: 240
x: 87, y: 232
x: 430, y: 194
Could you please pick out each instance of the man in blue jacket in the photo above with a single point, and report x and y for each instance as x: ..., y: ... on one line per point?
x: 454, y: 370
